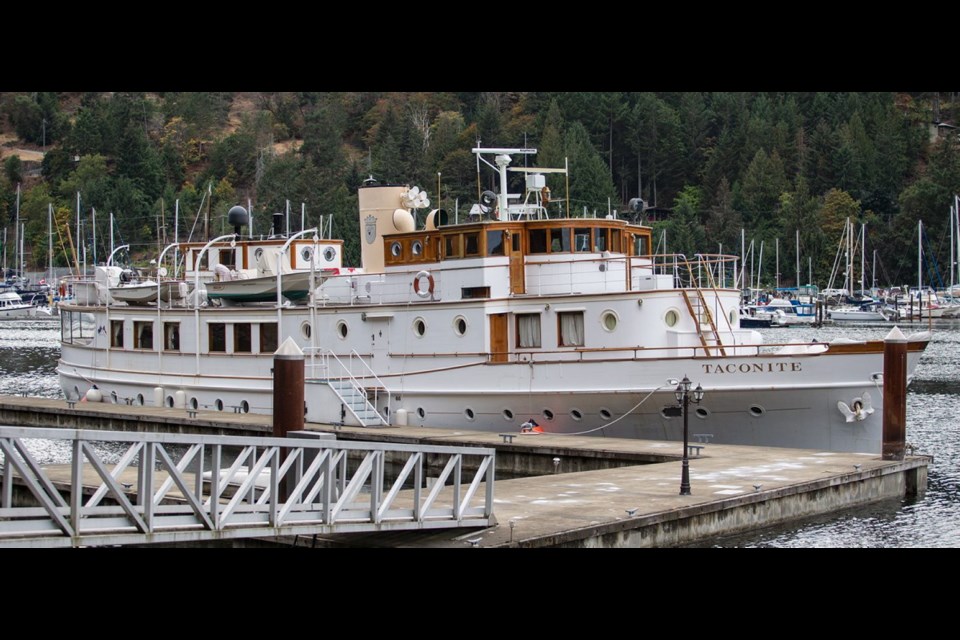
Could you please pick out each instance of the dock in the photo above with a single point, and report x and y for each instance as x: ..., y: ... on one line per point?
x: 572, y: 491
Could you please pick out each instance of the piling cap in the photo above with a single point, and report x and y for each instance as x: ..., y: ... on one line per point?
x: 895, y: 335
x: 288, y: 351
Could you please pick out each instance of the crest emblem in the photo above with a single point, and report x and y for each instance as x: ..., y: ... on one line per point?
x: 370, y: 223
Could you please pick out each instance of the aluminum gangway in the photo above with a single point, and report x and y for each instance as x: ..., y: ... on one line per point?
x: 206, y: 488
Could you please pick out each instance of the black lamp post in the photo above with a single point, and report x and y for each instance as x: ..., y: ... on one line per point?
x: 683, y: 399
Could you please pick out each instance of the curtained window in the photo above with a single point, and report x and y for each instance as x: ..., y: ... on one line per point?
x: 571, y: 328
x: 528, y: 331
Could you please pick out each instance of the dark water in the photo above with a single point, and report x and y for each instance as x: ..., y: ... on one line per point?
x: 29, y: 351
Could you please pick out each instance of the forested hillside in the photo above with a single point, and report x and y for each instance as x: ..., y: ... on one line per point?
x: 711, y: 163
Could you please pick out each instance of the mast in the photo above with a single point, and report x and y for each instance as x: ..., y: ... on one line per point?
x: 18, y: 236
x: 303, y: 214
x: 777, y: 261
x: 798, y: 261
x: 78, y: 235
x: 176, y: 236
x: 50, y: 242
x: 94, y: 224
x: 919, y: 256
x: 250, y: 219
x: 863, y: 253
x: 111, y: 233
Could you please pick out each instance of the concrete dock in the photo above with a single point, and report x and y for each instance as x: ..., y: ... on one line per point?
x: 574, y: 491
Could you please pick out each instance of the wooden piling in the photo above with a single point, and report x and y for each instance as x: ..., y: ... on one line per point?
x: 894, y: 395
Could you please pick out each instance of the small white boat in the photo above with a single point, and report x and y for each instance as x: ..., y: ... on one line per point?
x: 294, y: 286
x: 148, y: 291
x: 13, y: 306
x: 866, y: 313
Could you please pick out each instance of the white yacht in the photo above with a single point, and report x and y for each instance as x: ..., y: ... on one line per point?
x: 486, y: 323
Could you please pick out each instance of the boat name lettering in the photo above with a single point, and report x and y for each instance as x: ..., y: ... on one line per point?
x: 763, y: 367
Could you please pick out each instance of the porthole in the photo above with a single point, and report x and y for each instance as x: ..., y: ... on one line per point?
x: 469, y: 414
x: 756, y: 411
x: 329, y: 254
x: 194, y: 404
x: 605, y: 414
x: 421, y: 413
x: 218, y: 404
x: 576, y: 415
x: 703, y: 413
x: 671, y: 318
x: 396, y: 249
x: 417, y: 248
x: 548, y: 414
x: 609, y: 320
x: 140, y: 399
x: 666, y: 414
x: 169, y: 402
x: 460, y: 325
x: 305, y: 330
x: 507, y: 415
x: 342, y: 330
x: 419, y: 327
x: 734, y: 317
x: 244, y: 406
x: 306, y: 254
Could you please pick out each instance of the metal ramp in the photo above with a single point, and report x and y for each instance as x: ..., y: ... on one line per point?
x: 222, y: 487
x: 354, y: 397
x: 353, y: 381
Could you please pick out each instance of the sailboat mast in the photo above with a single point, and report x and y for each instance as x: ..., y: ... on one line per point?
x: 50, y: 242
x: 78, y: 235
x: 798, y: 259
x: 919, y: 256
x: 863, y: 253
x: 777, y: 261
x: 951, y: 248
x: 94, y: 224
x: 17, y: 235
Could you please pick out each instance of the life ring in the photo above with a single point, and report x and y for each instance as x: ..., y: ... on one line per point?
x: 416, y: 284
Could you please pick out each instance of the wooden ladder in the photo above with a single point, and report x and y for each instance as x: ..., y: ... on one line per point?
x: 702, y: 305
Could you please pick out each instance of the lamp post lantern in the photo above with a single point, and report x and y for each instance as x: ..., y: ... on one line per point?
x: 683, y: 399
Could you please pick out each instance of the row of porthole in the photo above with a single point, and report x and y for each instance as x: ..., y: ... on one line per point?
x: 169, y: 401
x: 419, y: 328
x: 672, y: 317
x: 508, y: 415
x: 701, y: 412
x: 755, y: 411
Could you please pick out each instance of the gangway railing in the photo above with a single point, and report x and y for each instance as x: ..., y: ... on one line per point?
x: 355, y: 372
x: 204, y: 488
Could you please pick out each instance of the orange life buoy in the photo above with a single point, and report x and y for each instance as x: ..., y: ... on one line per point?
x: 416, y: 284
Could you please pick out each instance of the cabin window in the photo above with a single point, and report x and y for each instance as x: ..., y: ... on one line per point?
x: 268, y: 337
x: 171, y: 336
x: 417, y: 248
x: 217, y: 333
x: 559, y: 240
x: 475, y: 292
x: 419, y: 327
x: 641, y: 245
x: 116, y: 334
x: 342, y: 329
x: 460, y: 325
x: 329, y: 254
x: 515, y: 241
x: 671, y: 318
x: 471, y: 244
x: 227, y: 257
x: 571, y: 328
x: 452, y: 248
x: 537, y: 239
x: 599, y: 239
x: 306, y: 254
x: 494, y: 243
x: 396, y: 249
x: 143, y: 335
x: 241, y: 338
x: 581, y: 240
x: 528, y: 331
x: 609, y: 320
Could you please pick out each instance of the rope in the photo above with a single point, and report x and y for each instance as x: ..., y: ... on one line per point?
x: 613, y: 422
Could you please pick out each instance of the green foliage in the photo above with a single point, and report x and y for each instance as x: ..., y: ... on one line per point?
x: 13, y: 169
x: 767, y: 162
